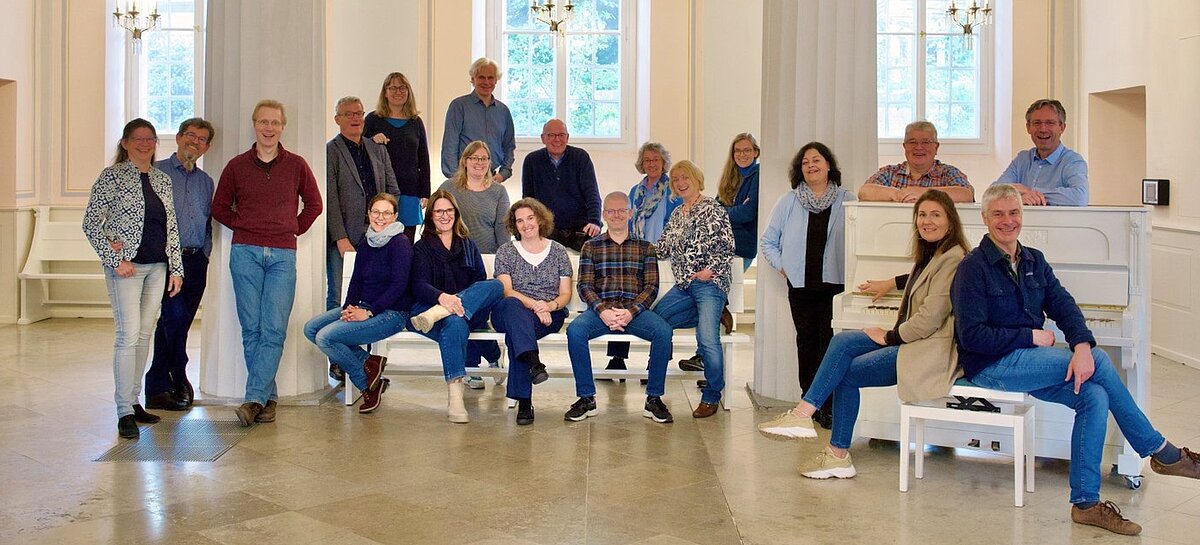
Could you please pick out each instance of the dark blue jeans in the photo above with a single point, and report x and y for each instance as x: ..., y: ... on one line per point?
x: 700, y: 306
x: 646, y: 324
x: 343, y: 342
x: 522, y: 329
x: 451, y: 332
x: 168, y: 370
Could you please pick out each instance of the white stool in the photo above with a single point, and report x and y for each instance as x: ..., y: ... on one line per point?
x: 1020, y: 420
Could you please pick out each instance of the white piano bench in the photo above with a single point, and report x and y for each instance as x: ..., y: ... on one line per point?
x: 1017, y: 414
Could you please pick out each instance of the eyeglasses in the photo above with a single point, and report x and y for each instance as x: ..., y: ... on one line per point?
x: 353, y: 115
x: 478, y: 159
x: 273, y: 123
x: 444, y: 212
x: 553, y: 135
x: 397, y: 88
x: 1049, y: 123
x: 195, y: 137
x: 143, y: 139
x: 382, y: 213
x: 747, y: 151
x: 920, y: 143
x: 616, y: 211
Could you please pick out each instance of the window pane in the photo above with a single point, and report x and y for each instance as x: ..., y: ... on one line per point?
x: 530, y: 115
x: 181, y: 80
x: 608, y: 119
x: 936, y: 20
x: 896, y: 16
x: 580, y: 117
x: 517, y: 15
x: 157, y: 112
x: 181, y: 108
x: 596, y: 15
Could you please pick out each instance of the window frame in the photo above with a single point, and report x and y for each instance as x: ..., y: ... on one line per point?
x: 134, y: 79
x: 495, y: 17
x: 985, y: 47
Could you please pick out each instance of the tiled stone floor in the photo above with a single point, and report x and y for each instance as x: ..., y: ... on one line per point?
x: 404, y: 475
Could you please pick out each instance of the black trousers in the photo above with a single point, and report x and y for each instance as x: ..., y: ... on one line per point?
x: 571, y: 238
x: 169, y: 366
x: 812, y: 312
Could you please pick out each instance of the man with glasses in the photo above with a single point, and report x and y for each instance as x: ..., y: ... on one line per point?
x: 167, y: 386
x: 1050, y: 173
x: 562, y: 177
x: 479, y: 115
x: 618, y: 281
x: 258, y: 197
x: 920, y: 171
x: 356, y: 169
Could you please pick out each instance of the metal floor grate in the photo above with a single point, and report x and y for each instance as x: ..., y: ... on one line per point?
x: 186, y: 440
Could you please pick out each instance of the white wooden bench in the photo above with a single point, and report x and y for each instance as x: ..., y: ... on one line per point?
x: 59, y: 251
x: 559, y: 340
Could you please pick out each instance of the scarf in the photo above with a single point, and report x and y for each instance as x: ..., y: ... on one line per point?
x: 811, y: 202
x: 378, y: 239
x: 650, y: 199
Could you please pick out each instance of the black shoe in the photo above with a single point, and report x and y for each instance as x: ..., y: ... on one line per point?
x: 127, y: 427
x: 166, y: 401
x: 336, y: 373
x: 694, y: 363
x: 615, y: 363
x: 184, y: 392
x: 655, y: 410
x: 537, y: 375
x: 585, y: 407
x: 524, y: 412
x: 824, y: 418
x: 142, y: 416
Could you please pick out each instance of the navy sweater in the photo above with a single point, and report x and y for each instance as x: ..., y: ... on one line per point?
x: 743, y: 216
x: 568, y: 190
x: 380, y: 279
x: 437, y: 270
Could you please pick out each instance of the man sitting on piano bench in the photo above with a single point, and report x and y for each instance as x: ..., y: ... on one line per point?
x: 1002, y: 295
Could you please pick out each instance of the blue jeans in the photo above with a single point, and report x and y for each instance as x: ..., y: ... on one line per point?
x: 135, y: 301
x: 264, y: 286
x: 342, y: 341
x: 333, y: 276
x: 647, y: 325
x: 522, y: 329
x: 168, y: 369
x: 451, y: 332
x: 853, y: 361
x: 700, y: 306
x: 1040, y: 373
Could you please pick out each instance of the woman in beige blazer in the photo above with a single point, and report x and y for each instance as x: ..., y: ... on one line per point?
x: 919, y: 349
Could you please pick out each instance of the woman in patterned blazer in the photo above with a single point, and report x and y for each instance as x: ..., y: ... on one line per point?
x: 130, y: 223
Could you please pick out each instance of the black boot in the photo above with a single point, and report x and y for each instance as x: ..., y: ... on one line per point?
x: 524, y: 412
x: 537, y: 370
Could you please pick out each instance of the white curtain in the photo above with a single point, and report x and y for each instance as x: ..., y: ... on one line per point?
x: 818, y: 84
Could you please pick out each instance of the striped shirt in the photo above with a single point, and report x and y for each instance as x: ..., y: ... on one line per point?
x: 613, y: 275
x: 940, y: 175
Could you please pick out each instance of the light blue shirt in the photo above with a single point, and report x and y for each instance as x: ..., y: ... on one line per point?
x: 1062, y: 177
x: 193, y: 194
x: 467, y: 120
x: 785, y: 241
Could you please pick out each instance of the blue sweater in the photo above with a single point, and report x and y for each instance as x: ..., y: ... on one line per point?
x: 380, y: 279
x: 743, y: 216
x: 437, y: 270
x: 995, y: 314
x: 785, y: 240
x: 569, y: 190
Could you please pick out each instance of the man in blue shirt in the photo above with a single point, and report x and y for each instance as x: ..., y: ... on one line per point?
x: 167, y: 386
x: 479, y: 115
x: 563, y: 178
x: 1002, y: 294
x: 1050, y: 173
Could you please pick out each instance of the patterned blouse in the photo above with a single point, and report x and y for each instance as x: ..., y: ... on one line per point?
x: 700, y: 239
x: 537, y: 281
x: 116, y: 210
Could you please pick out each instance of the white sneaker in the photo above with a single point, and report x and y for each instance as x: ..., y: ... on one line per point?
x: 825, y: 465
x: 788, y: 426
x: 474, y: 383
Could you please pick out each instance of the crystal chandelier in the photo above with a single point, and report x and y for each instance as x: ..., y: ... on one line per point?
x: 136, y: 22
x: 554, y: 15
x: 970, y: 19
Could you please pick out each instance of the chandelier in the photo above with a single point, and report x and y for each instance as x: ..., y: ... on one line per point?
x: 136, y: 22
x: 970, y: 19
x: 553, y: 15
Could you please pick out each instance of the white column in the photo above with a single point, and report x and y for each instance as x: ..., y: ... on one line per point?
x: 255, y: 50
x: 818, y: 84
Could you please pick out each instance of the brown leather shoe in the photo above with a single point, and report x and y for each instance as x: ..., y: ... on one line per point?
x: 1187, y: 466
x: 373, y: 367
x: 247, y: 412
x: 1106, y: 515
x: 727, y: 320
x: 705, y: 410
x: 267, y: 414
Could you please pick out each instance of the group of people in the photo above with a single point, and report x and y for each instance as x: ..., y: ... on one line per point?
x: 975, y: 313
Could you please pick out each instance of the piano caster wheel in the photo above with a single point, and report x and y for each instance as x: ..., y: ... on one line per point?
x: 1133, y: 483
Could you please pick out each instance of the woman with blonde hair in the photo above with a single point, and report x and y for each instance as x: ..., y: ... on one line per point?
x: 396, y: 124
x: 738, y: 193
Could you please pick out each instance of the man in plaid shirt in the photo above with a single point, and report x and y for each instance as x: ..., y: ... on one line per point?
x: 919, y: 172
x: 618, y: 280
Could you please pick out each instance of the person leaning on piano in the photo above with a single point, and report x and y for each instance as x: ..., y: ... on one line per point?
x: 919, y: 350
x: 1002, y: 295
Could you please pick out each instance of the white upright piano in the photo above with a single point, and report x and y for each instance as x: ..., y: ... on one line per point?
x: 1099, y: 253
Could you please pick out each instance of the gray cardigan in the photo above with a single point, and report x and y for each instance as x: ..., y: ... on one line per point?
x: 345, y: 198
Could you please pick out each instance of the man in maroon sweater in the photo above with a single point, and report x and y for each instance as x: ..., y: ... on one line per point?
x: 257, y: 198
